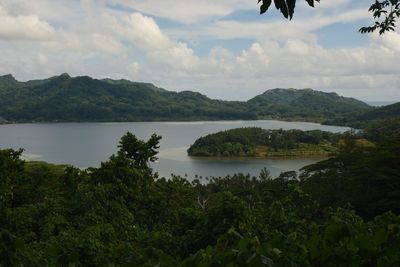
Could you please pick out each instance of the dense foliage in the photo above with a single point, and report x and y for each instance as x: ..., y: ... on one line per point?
x: 63, y: 98
x: 386, y: 13
x: 123, y: 214
x: 364, y: 119
x: 304, y: 104
x: 252, y: 142
x: 286, y: 7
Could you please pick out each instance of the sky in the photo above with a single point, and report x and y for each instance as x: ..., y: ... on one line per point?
x: 224, y: 49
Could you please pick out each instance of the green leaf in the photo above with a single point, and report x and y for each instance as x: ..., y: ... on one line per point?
x: 334, y: 232
x: 291, y: 4
x: 282, y: 6
x: 265, y: 5
x: 310, y: 2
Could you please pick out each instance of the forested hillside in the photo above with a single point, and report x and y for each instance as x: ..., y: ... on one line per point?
x: 374, y: 116
x: 304, y: 104
x: 63, y: 98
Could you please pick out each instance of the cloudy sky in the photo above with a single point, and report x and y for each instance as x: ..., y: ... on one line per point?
x: 223, y: 48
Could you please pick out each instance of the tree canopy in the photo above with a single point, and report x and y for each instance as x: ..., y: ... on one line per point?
x: 385, y: 13
x: 123, y: 214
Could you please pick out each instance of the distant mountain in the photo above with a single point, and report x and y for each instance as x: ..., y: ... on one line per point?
x: 306, y: 104
x: 374, y: 116
x: 380, y: 103
x: 62, y: 98
x: 385, y: 112
x: 8, y: 81
x: 65, y: 98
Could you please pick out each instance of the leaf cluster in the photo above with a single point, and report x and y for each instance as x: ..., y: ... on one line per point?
x: 286, y: 7
x: 386, y: 14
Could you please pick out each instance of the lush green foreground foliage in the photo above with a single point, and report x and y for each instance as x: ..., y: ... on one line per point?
x: 257, y: 142
x: 122, y: 214
x: 63, y: 98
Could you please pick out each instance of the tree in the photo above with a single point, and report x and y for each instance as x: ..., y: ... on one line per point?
x: 139, y: 152
x: 384, y: 12
x: 265, y: 174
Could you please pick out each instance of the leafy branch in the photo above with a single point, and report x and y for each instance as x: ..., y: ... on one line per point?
x: 285, y: 6
x: 386, y: 13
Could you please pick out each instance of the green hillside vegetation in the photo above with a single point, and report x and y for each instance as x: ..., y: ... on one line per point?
x: 343, y: 211
x: 304, y: 104
x: 364, y: 119
x: 257, y: 142
x: 65, y: 99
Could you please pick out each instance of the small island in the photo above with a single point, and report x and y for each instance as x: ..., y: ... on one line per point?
x: 257, y: 142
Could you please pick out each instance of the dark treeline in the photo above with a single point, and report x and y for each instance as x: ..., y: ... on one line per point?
x: 250, y: 142
x: 343, y: 211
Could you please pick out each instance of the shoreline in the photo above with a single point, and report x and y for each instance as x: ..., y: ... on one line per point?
x: 171, y: 121
x: 315, y: 156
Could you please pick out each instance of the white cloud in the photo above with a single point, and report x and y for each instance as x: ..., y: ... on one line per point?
x: 134, y: 68
x: 297, y: 47
x: 144, y: 33
x: 107, y: 44
x: 23, y: 27
x: 357, y: 72
x: 42, y: 59
x: 62, y: 11
x: 389, y: 41
x: 89, y: 38
x: 188, y: 11
x: 281, y: 30
x: 253, y: 60
x: 332, y: 4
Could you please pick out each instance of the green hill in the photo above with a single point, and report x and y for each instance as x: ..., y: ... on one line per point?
x: 65, y: 98
x: 304, y: 104
x: 381, y: 115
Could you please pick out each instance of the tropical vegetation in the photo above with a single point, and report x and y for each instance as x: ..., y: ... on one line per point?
x: 257, y: 142
x: 343, y: 211
x: 66, y: 99
x: 364, y: 119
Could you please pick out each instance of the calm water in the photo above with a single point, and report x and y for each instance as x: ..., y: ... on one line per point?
x: 87, y: 144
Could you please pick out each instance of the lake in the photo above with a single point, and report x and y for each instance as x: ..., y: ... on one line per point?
x: 87, y: 144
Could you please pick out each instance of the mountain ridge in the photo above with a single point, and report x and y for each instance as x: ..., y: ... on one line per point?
x: 83, y: 98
